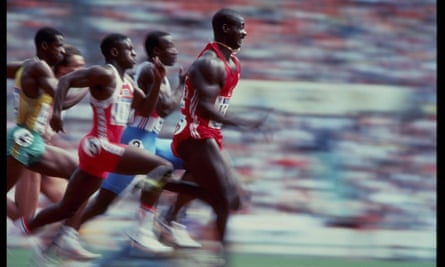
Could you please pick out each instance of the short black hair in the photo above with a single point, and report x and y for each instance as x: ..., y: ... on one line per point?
x: 224, y: 16
x: 153, y: 40
x: 110, y: 41
x: 46, y: 34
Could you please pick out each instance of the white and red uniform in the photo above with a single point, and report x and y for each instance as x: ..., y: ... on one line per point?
x: 154, y: 122
x: 192, y: 125
x: 100, y: 150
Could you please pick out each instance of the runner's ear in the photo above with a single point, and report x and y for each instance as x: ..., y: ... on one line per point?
x: 44, y: 45
x: 225, y: 27
x: 114, y: 52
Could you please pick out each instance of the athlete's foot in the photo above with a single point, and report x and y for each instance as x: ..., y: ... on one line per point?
x: 68, y: 245
x: 176, y: 234
x: 21, y: 225
x: 147, y: 240
x: 44, y: 256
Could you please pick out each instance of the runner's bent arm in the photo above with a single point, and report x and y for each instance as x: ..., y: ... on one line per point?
x: 208, y: 76
x: 11, y: 68
x: 96, y: 78
x: 146, y: 98
x: 39, y: 75
x: 169, y: 101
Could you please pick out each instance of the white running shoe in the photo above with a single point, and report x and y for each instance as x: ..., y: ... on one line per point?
x: 44, y: 256
x: 20, y: 224
x: 176, y: 234
x: 148, y: 241
x: 68, y: 245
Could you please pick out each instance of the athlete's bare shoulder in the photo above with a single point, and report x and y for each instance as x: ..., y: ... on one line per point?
x: 209, y: 66
x: 36, y: 76
x: 146, y: 70
x: 100, y: 70
x: 95, y: 74
x: 36, y: 66
x: 12, y: 67
x: 99, y: 78
x: 146, y: 76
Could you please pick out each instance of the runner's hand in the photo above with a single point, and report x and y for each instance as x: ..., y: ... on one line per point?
x: 56, y: 123
x: 159, y: 69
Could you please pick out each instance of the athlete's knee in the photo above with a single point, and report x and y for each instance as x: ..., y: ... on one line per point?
x: 233, y: 193
x: 221, y: 204
x: 231, y: 200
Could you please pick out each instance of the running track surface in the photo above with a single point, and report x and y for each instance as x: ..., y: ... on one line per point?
x: 254, y: 242
x: 23, y: 258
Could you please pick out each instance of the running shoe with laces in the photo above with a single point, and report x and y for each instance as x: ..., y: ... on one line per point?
x: 68, y: 245
x: 147, y: 240
x: 176, y: 233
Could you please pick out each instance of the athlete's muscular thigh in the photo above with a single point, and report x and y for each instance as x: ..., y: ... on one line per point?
x: 204, y: 160
x: 14, y: 170
x: 80, y: 187
x: 138, y: 161
x: 56, y: 162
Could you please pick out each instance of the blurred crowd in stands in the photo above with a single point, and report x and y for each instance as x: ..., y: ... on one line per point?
x: 370, y: 169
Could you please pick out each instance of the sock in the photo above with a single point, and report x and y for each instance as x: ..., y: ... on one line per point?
x: 21, y: 224
x: 147, y: 215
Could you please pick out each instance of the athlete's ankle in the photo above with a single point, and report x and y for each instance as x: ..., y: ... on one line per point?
x: 169, y: 214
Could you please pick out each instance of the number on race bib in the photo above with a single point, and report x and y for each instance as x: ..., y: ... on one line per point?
x: 121, y: 112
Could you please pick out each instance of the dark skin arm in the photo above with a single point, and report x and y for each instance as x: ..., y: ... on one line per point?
x: 169, y: 101
x: 71, y: 100
x: 149, y: 82
x: 98, y: 79
x: 74, y: 97
x: 12, y: 68
x: 37, y: 76
x: 208, y: 75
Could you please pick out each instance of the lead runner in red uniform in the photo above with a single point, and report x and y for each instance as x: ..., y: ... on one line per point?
x: 198, y: 140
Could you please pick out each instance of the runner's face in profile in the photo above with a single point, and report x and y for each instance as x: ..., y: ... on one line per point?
x: 168, y: 52
x: 237, y: 32
x: 127, y: 54
x: 56, y: 50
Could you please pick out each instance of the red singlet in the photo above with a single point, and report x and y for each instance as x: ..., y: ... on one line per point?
x: 192, y: 125
x: 100, y: 149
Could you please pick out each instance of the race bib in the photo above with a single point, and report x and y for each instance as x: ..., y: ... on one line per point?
x: 180, y: 125
x: 92, y: 147
x: 136, y: 143
x: 120, y: 112
x: 222, y: 104
x: 154, y: 124
x: 23, y: 137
